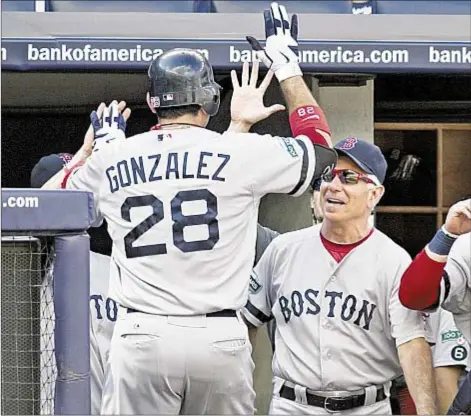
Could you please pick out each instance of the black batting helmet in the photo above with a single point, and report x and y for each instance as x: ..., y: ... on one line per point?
x: 181, y: 77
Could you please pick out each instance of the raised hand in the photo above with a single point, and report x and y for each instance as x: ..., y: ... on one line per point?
x: 458, y: 219
x: 281, y: 48
x: 247, y: 107
x: 107, y: 124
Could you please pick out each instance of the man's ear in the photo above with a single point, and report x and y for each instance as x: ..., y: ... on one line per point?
x: 204, y: 116
x: 149, y: 104
x: 376, y: 195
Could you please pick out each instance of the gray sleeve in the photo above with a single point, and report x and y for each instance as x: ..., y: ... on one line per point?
x: 455, y: 288
x: 264, y: 238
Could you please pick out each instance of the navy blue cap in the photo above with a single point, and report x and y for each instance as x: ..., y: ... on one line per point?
x: 366, y: 155
x: 47, y: 167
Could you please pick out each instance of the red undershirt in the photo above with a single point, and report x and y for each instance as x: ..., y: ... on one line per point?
x: 339, y: 251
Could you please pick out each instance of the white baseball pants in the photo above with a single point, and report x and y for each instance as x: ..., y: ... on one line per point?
x: 178, y: 365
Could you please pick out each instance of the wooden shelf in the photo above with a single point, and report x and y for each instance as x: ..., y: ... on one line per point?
x: 444, y: 151
x: 406, y: 210
x: 422, y: 126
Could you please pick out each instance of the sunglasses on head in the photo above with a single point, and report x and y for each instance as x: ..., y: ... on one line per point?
x: 347, y: 177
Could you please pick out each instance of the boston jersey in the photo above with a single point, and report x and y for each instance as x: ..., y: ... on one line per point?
x: 455, y: 292
x: 182, y: 206
x: 338, y: 325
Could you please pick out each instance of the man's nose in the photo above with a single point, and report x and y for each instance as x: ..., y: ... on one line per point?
x: 336, y: 184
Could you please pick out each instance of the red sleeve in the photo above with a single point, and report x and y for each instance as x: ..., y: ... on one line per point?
x: 68, y: 172
x: 420, y: 283
x: 307, y: 121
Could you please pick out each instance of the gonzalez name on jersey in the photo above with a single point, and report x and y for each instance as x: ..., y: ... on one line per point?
x: 189, y: 201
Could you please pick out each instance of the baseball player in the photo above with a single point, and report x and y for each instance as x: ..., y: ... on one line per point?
x: 450, y: 355
x: 440, y: 275
x: 181, y: 203
x: 341, y: 334
x: 103, y: 310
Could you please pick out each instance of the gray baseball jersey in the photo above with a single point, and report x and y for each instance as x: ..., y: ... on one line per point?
x: 455, y: 292
x: 449, y: 348
x: 338, y: 325
x: 182, y: 214
x: 103, y: 314
x: 182, y: 208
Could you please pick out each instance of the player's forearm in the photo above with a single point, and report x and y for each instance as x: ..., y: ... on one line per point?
x: 306, y: 116
x: 416, y: 362
x: 446, y: 379
x: 57, y: 180
x: 296, y: 93
x: 420, y: 283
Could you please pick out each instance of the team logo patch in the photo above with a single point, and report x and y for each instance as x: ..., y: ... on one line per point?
x: 450, y: 336
x: 350, y: 143
x: 288, y: 144
x: 254, y: 284
x: 155, y: 102
x: 66, y: 158
x: 459, y: 353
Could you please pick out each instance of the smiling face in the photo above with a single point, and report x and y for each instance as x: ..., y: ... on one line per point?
x: 348, y: 202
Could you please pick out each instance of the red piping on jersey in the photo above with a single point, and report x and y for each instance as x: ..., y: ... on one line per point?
x: 68, y: 172
x: 420, y: 283
x: 307, y: 121
x: 162, y: 126
x: 339, y: 251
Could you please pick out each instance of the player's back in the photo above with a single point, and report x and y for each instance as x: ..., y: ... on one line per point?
x: 182, y: 209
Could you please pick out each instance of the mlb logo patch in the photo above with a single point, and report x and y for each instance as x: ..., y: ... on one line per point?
x: 168, y: 97
x: 162, y: 137
x: 155, y: 102
x: 350, y: 143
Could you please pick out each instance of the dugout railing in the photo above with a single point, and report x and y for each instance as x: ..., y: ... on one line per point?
x: 45, y: 280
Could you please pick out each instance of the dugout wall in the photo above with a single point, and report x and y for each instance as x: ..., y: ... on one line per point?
x: 46, y: 101
x: 45, y: 344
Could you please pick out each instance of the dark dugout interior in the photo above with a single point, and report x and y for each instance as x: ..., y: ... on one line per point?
x: 45, y: 113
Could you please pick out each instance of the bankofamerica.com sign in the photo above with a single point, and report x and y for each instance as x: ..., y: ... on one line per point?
x: 328, y: 56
